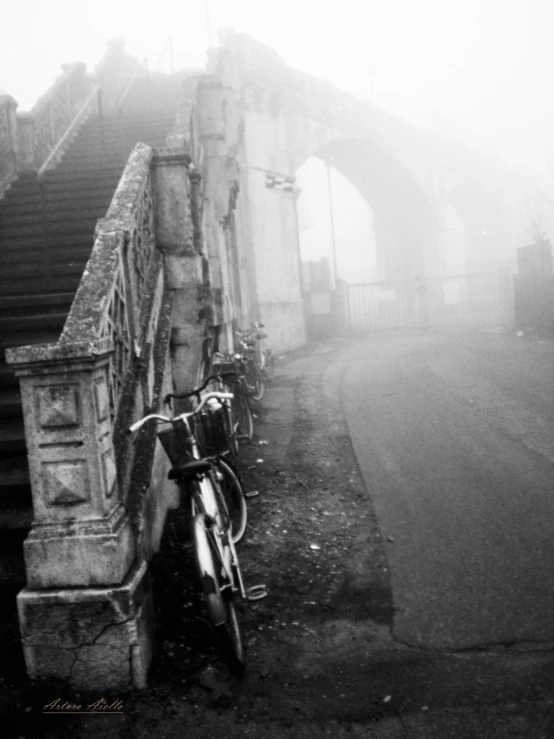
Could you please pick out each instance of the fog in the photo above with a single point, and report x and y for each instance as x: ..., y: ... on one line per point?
x: 478, y: 71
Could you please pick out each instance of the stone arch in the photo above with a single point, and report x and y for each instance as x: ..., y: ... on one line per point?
x: 405, y: 223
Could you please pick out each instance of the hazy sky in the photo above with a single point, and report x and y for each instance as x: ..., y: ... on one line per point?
x: 483, y: 63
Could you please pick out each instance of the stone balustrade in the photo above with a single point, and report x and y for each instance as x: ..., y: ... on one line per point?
x: 55, y: 110
x: 93, y: 485
x: 27, y: 139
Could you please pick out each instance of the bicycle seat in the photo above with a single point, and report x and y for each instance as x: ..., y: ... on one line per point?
x: 189, y: 469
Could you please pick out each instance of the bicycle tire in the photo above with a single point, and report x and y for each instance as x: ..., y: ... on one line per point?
x: 230, y: 640
x: 243, y: 414
x: 253, y: 381
x: 234, y: 498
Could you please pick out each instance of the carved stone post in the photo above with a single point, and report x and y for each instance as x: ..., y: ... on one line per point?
x: 196, y: 303
x: 85, y: 611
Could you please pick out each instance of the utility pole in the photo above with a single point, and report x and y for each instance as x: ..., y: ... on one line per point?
x: 332, y: 222
x: 208, y: 24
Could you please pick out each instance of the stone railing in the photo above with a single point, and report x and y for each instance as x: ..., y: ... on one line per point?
x: 27, y: 139
x: 55, y: 111
x: 107, y: 368
x: 91, y: 482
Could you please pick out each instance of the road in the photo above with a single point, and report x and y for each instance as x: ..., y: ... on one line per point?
x: 454, y: 436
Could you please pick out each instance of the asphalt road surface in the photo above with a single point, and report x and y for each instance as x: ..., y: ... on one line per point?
x: 454, y: 436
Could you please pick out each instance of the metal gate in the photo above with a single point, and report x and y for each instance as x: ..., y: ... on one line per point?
x: 461, y: 300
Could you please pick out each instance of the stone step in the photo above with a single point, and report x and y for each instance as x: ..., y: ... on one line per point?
x: 7, y: 376
x: 33, y: 322
x: 10, y: 403
x: 17, y: 243
x: 70, y: 185
x: 15, y: 487
x: 43, y: 272
x: 12, y: 437
x: 43, y: 265
x: 44, y: 336
x: 32, y: 302
x: 18, y: 520
x: 31, y: 285
x: 54, y: 214
x: 91, y: 178
x: 112, y: 135
x: 12, y: 571
x: 34, y: 227
x: 60, y: 185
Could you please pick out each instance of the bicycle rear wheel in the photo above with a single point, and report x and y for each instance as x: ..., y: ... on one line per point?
x: 243, y: 415
x: 269, y: 369
x: 230, y: 640
x: 229, y: 427
x: 253, y: 381
x: 234, y: 498
x: 206, y: 570
x: 218, y: 597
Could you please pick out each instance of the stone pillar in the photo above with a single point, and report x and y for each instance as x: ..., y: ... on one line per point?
x: 9, y: 145
x: 86, y: 611
x: 27, y: 142
x: 197, y: 306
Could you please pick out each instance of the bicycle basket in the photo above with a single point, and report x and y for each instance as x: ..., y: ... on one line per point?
x: 225, y: 368
x: 210, y: 431
x: 176, y: 444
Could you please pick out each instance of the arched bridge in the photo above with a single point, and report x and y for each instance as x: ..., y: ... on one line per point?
x: 271, y: 118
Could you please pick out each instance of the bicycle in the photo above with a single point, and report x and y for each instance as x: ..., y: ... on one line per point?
x: 216, y: 438
x: 229, y: 371
x: 215, y: 555
x: 259, y: 360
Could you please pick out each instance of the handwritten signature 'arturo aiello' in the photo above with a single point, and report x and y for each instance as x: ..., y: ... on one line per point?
x: 99, y: 706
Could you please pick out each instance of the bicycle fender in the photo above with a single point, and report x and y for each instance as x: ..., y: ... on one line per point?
x: 205, y: 567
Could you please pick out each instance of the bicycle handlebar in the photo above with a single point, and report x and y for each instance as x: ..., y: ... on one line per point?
x: 183, y: 416
x: 245, y: 332
x: 196, y: 392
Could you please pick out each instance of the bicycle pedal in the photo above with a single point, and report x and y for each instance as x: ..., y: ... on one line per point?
x: 242, y: 437
x: 252, y: 494
x: 257, y: 592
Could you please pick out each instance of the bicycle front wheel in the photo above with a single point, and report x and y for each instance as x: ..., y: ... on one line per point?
x: 234, y: 498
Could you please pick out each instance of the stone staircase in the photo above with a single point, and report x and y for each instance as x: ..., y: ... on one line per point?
x: 46, y: 237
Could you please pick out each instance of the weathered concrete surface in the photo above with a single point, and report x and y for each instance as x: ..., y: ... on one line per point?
x: 100, y: 638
